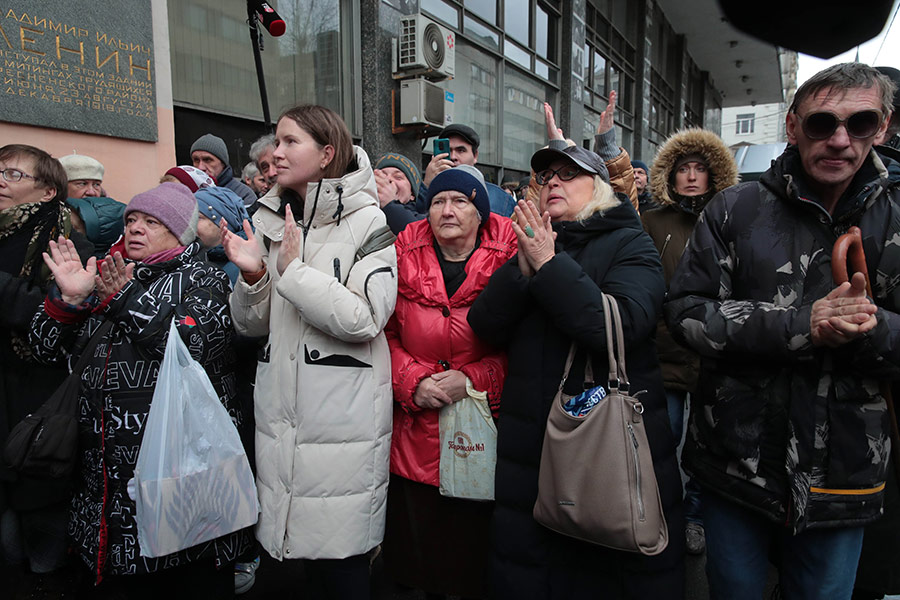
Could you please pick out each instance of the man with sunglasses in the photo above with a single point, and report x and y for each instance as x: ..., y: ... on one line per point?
x: 789, y: 434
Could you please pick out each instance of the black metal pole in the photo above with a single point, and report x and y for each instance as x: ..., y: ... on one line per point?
x: 257, y: 56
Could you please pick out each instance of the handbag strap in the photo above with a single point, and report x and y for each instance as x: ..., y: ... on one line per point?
x: 615, y: 344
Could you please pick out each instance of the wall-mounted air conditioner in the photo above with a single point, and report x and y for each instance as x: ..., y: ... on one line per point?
x: 424, y: 48
x: 421, y: 102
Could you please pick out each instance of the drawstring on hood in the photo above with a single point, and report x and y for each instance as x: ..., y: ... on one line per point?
x: 340, y: 204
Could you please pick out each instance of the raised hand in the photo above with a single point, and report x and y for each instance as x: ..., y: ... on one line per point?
x: 290, y: 245
x: 245, y: 254
x: 75, y: 282
x: 607, y: 117
x: 535, y: 236
x: 438, y: 163
x: 113, y: 276
x: 553, y: 132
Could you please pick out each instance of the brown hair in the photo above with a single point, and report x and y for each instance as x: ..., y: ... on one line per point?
x: 327, y: 128
x: 48, y: 172
x: 847, y: 76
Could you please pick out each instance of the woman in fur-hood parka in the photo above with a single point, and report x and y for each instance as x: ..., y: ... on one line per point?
x: 719, y: 160
x: 707, y: 167
x: 671, y: 225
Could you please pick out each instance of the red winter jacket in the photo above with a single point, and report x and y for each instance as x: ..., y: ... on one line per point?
x: 427, y: 327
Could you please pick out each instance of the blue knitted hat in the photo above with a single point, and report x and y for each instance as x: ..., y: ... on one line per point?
x: 217, y: 203
x: 463, y: 179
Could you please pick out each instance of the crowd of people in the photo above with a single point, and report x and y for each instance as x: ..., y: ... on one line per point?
x: 340, y: 306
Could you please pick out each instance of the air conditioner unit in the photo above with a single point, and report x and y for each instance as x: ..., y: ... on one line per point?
x: 425, y: 48
x: 421, y: 102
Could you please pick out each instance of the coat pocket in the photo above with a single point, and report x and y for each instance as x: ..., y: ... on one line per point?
x: 745, y: 423
x: 856, y: 438
x: 314, y: 357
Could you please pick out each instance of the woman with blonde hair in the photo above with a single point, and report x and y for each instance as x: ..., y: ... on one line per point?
x: 583, y: 240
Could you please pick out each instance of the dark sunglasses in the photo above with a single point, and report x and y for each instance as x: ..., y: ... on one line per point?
x: 822, y: 125
x: 565, y: 173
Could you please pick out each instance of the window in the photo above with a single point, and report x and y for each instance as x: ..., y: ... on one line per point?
x: 476, y: 89
x: 486, y: 9
x: 524, y: 130
x: 609, y: 64
x: 517, y: 19
x: 745, y: 124
x: 216, y: 70
x: 662, y: 108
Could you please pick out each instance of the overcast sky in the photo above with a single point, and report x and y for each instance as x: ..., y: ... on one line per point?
x: 889, y: 54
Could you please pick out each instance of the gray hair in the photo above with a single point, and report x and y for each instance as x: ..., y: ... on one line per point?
x: 250, y: 171
x: 847, y: 76
x: 259, y: 147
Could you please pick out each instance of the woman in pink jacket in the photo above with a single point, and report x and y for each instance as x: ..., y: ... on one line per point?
x: 435, y: 543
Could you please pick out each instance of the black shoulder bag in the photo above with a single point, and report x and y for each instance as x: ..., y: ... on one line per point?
x: 44, y: 445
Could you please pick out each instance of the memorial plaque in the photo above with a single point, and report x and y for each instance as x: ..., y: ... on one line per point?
x: 79, y: 65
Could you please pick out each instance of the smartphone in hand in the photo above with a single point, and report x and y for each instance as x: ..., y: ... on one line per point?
x: 441, y: 146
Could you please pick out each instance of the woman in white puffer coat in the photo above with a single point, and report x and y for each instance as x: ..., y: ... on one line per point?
x: 322, y: 287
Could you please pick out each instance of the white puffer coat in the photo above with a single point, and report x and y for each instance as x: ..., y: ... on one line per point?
x: 323, y: 387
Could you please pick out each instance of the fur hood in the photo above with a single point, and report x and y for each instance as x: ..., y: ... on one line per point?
x: 692, y: 141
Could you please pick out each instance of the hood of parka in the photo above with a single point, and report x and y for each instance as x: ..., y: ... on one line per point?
x: 718, y: 157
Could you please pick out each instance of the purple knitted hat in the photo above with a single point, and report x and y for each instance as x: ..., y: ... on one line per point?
x: 175, y: 207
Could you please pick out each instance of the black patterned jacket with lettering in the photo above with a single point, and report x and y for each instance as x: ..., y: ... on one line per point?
x: 791, y: 430
x: 117, y: 387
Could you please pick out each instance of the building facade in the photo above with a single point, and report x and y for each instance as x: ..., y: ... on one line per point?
x: 754, y: 124
x: 151, y: 76
x: 511, y: 56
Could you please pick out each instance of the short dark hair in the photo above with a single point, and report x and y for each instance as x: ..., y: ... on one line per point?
x: 48, y: 172
x: 847, y: 76
x: 327, y: 128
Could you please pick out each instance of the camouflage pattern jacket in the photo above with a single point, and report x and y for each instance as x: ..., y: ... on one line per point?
x: 796, y: 432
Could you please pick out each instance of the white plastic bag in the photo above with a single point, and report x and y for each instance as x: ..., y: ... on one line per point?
x: 468, y: 448
x: 192, y: 477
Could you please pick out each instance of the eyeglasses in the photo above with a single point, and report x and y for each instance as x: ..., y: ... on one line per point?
x: 822, y: 125
x: 565, y: 173
x: 13, y: 175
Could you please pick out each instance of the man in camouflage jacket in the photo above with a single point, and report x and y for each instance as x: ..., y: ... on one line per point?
x: 789, y: 432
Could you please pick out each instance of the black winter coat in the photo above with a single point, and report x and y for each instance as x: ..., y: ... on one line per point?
x: 536, y: 320
x: 24, y: 382
x: 116, y: 390
x: 778, y: 425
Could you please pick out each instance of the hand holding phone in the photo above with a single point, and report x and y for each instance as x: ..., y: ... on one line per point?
x: 441, y: 146
x: 436, y: 165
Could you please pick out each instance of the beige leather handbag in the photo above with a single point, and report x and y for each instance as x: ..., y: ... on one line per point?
x: 597, y: 482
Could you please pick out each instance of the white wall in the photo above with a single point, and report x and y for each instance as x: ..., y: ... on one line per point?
x: 768, y: 124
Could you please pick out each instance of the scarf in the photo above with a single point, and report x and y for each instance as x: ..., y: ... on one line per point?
x: 40, y: 222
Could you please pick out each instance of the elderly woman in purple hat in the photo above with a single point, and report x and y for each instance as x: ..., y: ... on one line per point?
x: 129, y: 299
x: 582, y: 239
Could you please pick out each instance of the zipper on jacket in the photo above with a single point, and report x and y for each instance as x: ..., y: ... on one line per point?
x: 637, y: 472
x: 337, y: 268
x: 665, y: 245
